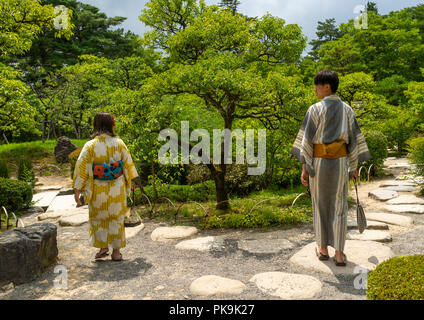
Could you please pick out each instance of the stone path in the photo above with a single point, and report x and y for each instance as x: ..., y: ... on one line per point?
x: 165, y: 262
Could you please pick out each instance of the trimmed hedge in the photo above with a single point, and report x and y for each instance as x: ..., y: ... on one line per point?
x: 398, y: 278
x: 14, y: 194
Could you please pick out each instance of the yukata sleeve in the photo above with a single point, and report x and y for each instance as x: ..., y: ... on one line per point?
x: 303, y: 148
x: 83, y: 173
x: 130, y: 171
x: 357, y: 148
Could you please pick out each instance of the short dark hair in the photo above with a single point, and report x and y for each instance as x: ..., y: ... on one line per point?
x: 327, y: 77
x: 103, y: 123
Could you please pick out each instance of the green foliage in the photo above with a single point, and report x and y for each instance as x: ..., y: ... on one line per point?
x: 326, y: 31
x: 416, y: 154
x: 26, y: 170
x: 14, y: 194
x: 239, y: 183
x: 377, y: 145
x: 4, y: 172
x: 398, y: 278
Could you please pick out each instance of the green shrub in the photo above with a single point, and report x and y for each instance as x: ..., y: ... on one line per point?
x: 377, y: 145
x: 26, y: 170
x: 416, y: 155
x: 239, y: 183
x: 14, y: 194
x: 4, y: 172
x: 398, y: 278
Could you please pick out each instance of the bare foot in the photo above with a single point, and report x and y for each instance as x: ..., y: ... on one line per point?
x: 101, y: 252
x: 340, y: 256
x: 116, y: 255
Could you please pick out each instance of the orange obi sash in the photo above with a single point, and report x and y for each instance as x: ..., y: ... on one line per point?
x: 334, y: 150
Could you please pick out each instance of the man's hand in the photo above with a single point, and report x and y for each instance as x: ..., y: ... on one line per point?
x: 304, y: 176
x: 77, y: 197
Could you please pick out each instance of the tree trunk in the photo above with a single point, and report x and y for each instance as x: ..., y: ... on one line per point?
x: 5, y: 139
x: 222, y: 202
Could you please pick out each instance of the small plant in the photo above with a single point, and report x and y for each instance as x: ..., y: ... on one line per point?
x: 26, y: 171
x: 4, y: 172
x: 14, y: 194
x: 398, y: 278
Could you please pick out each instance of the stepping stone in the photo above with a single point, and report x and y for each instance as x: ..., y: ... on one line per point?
x: 369, y: 235
x: 397, y: 183
x: 66, y: 192
x: 264, y: 246
x: 44, y: 199
x: 131, y: 232
x: 366, y: 254
x: 201, y: 244
x: 34, y: 210
x: 390, y: 218
x: 402, y: 188
x: 48, y: 188
x: 406, y: 199
x: 287, y: 285
x: 405, y: 208
x: 382, y: 194
x: 212, y: 285
x: 374, y: 225
x: 59, y: 213
x: 62, y: 203
x: 400, y: 166
x: 165, y: 234
x: 74, y: 220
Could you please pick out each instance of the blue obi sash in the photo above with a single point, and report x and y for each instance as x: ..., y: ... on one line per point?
x: 107, y: 172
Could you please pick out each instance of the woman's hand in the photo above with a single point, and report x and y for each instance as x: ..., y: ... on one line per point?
x: 355, y: 176
x: 77, y: 197
x: 304, y: 176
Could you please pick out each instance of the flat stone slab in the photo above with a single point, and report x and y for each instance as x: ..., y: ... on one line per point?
x: 264, y: 246
x: 201, y: 244
x: 400, y: 166
x: 405, y: 208
x: 406, y: 199
x: 390, y: 218
x: 402, y: 188
x: 66, y: 192
x: 397, y: 183
x: 59, y: 213
x: 74, y: 220
x: 48, y: 188
x: 373, y: 225
x: 369, y: 235
x: 382, y: 194
x: 44, y: 199
x: 212, y: 285
x: 131, y: 232
x: 366, y: 254
x: 62, y: 203
x: 165, y: 234
x: 287, y: 285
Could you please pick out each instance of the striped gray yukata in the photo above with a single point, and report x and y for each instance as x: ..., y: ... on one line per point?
x: 325, y: 122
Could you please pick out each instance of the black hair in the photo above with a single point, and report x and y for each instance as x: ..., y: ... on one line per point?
x: 103, y: 123
x: 327, y: 77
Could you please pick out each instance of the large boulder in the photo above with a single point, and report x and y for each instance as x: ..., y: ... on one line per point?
x: 63, y: 148
x: 26, y: 252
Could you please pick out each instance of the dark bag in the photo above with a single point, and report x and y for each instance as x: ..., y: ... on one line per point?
x: 134, y: 218
x: 360, y: 214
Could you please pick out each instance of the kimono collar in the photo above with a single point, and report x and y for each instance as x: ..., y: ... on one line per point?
x: 332, y: 97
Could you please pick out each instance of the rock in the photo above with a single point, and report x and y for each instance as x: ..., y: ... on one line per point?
x: 66, y: 192
x: 397, y: 183
x: 402, y: 188
x: 7, y: 288
x: 131, y: 232
x: 212, y: 285
x: 366, y: 254
x: 165, y: 234
x: 400, y: 166
x: 201, y: 244
x: 26, y: 252
x: 61, y: 213
x: 265, y: 246
x: 74, y: 220
x: 373, y: 225
x: 44, y: 199
x: 33, y: 210
x: 287, y: 285
x: 382, y: 194
x: 406, y: 199
x: 63, y: 148
x: 369, y: 235
x: 62, y: 203
x: 405, y: 208
x: 390, y: 218
x: 48, y: 188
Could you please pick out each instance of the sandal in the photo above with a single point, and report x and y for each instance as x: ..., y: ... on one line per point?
x: 100, y: 255
x: 322, y: 257
x: 340, y: 264
x: 119, y: 259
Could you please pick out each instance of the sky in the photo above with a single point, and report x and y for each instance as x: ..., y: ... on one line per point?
x: 305, y: 13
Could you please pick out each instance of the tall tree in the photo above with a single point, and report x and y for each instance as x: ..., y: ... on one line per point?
x: 326, y: 31
x: 231, y: 4
x: 372, y: 6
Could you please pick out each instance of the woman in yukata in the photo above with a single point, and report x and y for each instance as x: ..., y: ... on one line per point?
x: 104, y: 171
